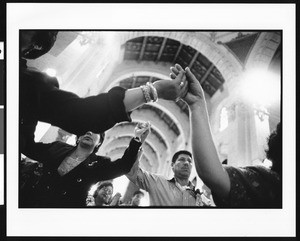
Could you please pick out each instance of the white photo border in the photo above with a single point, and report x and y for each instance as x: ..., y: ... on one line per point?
x: 152, y: 222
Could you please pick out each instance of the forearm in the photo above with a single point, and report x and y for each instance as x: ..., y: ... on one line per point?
x: 79, y: 115
x: 35, y: 150
x: 138, y: 176
x: 163, y: 89
x: 124, y: 164
x: 133, y: 99
x: 206, y: 158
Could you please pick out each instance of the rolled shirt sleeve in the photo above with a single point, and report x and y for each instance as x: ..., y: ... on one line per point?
x: 143, y: 179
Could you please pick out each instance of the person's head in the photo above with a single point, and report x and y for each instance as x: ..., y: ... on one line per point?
x: 103, y: 193
x: 36, y: 43
x: 136, y: 198
x: 274, y: 151
x: 182, y: 164
x: 91, y: 141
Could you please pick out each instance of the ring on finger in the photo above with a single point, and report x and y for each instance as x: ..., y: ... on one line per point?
x: 181, y: 84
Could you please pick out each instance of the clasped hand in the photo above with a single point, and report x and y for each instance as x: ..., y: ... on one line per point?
x: 142, y: 130
x: 172, y: 89
x: 193, y: 93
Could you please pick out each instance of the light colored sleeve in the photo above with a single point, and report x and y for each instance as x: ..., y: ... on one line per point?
x: 142, y: 178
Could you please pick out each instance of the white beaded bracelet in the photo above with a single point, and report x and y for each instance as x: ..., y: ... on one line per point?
x: 153, y: 91
x: 146, y: 92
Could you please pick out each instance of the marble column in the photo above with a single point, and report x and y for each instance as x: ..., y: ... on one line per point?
x: 248, y: 135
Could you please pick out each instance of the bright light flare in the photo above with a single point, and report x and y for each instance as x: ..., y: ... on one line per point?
x: 260, y: 87
x: 51, y: 72
x: 267, y: 163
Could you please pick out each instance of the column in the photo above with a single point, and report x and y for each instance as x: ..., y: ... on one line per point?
x: 248, y: 135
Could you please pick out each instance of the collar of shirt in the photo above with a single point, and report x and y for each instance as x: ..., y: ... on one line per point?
x: 190, y: 186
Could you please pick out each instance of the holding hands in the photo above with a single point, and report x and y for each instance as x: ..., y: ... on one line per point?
x: 142, y: 130
x: 172, y: 89
x: 193, y: 93
x: 161, y: 89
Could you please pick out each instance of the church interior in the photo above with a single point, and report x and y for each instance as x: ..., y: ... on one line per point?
x: 240, y: 73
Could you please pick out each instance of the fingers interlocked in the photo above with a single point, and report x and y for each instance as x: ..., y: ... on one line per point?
x: 183, y: 84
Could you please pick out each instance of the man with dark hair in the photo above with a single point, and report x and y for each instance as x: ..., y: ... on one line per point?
x: 69, y: 172
x: 178, y: 191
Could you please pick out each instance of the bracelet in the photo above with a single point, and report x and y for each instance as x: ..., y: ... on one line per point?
x: 153, y: 91
x: 146, y: 92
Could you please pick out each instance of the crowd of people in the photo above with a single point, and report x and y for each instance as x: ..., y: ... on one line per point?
x: 69, y: 172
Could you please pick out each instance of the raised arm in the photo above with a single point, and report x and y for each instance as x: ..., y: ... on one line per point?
x: 208, y: 165
x: 94, y: 113
x: 124, y: 164
x: 136, y: 175
x: 37, y: 151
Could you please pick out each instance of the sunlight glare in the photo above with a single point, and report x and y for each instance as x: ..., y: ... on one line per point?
x: 260, y: 87
x: 51, y: 72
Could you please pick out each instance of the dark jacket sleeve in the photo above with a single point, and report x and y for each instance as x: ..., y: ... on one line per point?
x: 122, y: 165
x: 37, y: 150
x: 75, y: 114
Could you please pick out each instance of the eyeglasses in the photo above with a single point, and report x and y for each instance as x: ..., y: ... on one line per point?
x: 107, y: 190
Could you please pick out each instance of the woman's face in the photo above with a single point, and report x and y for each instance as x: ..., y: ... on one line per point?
x: 89, y: 139
x: 104, y: 195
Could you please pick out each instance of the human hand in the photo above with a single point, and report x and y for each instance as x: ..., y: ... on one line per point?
x: 195, y: 93
x: 90, y: 201
x: 142, y: 130
x: 172, y: 89
x: 115, y: 200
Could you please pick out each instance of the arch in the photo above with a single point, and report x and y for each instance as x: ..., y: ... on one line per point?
x: 128, y: 131
x: 225, y: 62
x: 264, y: 50
x: 124, y: 140
x: 128, y: 69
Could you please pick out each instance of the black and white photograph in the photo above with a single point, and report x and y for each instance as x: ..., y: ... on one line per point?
x: 138, y: 115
